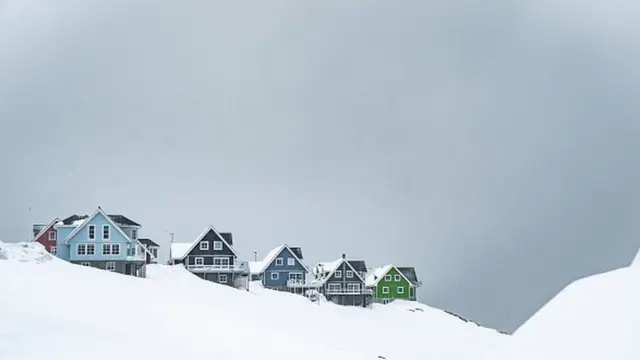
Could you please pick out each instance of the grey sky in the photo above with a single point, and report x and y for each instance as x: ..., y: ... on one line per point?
x: 492, y: 145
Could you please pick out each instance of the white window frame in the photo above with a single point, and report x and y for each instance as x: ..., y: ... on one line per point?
x: 291, y: 262
x: 92, y: 246
x: 353, y: 287
x: 85, y: 263
x: 154, y: 251
x: 334, y: 287
x: 134, y: 234
x: 204, y: 245
x: 385, y: 290
x: 110, y: 268
x: 297, y: 276
x: 217, y: 245
x: 195, y: 261
x: 52, y: 236
x: 349, y: 274
x: 91, y: 227
x: 400, y: 290
x: 276, y: 277
x: 397, y: 278
x: 279, y: 261
x: 108, y: 252
x: 115, y: 246
x: 108, y: 228
x: 222, y: 278
x: 388, y: 277
x: 54, y: 250
x: 84, y: 249
x: 338, y: 274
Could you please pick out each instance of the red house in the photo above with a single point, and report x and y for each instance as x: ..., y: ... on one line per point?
x: 46, y: 235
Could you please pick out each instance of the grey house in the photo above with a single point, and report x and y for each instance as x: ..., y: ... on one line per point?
x: 342, y: 282
x: 212, y: 257
x: 151, y: 248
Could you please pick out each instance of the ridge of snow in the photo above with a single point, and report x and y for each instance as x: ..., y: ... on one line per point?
x: 24, y: 252
x: 636, y: 260
x: 175, y: 313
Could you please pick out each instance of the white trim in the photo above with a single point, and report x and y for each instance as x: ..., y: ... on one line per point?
x: 195, y: 260
x: 204, y: 248
x: 276, y: 277
x: 91, y: 226
x: 266, y: 262
x: 296, y: 273
x: 397, y: 277
x: 220, y: 277
x: 93, y: 246
x: 375, y: 282
x: 400, y: 290
x: 279, y: 261
x: 54, y: 250
x: 55, y: 235
x: 204, y: 233
x: 385, y: 288
x: 88, y: 220
x: 108, y: 228
x: 342, y: 261
x: 349, y: 274
x: 388, y: 277
x: 84, y: 246
x: 217, y: 245
x: 336, y: 286
x: 291, y: 261
x: 134, y: 231
x: 106, y: 266
x: 338, y: 274
x: 46, y: 228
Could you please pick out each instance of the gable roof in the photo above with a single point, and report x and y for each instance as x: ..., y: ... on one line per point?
x: 148, y: 242
x: 358, y: 265
x: 297, y: 251
x: 45, y: 229
x: 123, y: 220
x: 410, y: 273
x: 180, y: 250
x: 374, y: 277
x: 334, y: 265
x: 85, y: 221
x: 271, y: 256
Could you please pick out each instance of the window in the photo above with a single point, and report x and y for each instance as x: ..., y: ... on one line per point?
x: 110, y: 266
x: 154, y: 251
x: 291, y: 262
x: 398, y: 277
x: 134, y: 234
x: 279, y: 262
x: 400, y: 289
x: 92, y: 232
x: 353, y: 288
x: 388, y: 278
x: 222, y: 278
x: 217, y: 245
x: 338, y: 273
x: 54, y: 250
x: 204, y: 245
x: 199, y: 261
x: 105, y: 232
x: 115, y: 249
x: 275, y: 275
x: 91, y: 249
x: 349, y: 274
x: 84, y: 263
x: 110, y: 249
x: 52, y: 236
x: 221, y: 261
x: 297, y: 276
x: 106, y: 249
x: 333, y: 287
x: 385, y: 289
x: 81, y: 250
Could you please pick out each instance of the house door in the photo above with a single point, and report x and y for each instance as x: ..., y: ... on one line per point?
x: 412, y: 292
x: 128, y: 269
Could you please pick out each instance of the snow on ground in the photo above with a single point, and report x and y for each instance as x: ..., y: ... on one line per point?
x: 597, y: 317
x: 50, y: 309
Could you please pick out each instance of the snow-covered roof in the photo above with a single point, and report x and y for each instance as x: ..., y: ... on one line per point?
x: 271, y: 256
x: 375, y: 274
x: 83, y: 222
x: 179, y: 250
x: 636, y: 260
x: 255, y: 267
x: 326, y: 267
x: 46, y: 228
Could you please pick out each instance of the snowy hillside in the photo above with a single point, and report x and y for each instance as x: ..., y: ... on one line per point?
x: 597, y: 317
x: 50, y: 309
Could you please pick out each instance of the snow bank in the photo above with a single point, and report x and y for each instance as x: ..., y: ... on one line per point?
x: 76, y: 312
x: 25, y: 252
x: 597, y: 317
x: 636, y: 260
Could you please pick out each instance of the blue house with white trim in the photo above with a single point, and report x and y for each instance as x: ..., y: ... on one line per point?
x: 108, y: 242
x: 281, y: 268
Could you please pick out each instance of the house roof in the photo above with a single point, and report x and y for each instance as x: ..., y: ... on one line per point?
x: 116, y: 218
x: 358, y: 265
x: 228, y: 237
x: 374, y: 276
x: 410, y: 273
x: 82, y: 222
x: 75, y: 220
x: 255, y: 267
x: 271, y: 256
x: 45, y: 229
x: 123, y: 220
x: 297, y: 251
x: 180, y: 250
x: 148, y: 242
x: 329, y: 268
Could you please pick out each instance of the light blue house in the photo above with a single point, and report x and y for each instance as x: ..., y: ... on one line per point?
x: 108, y: 242
x: 281, y: 268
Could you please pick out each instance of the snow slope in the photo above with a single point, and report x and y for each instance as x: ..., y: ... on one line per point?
x: 597, y: 317
x: 50, y: 309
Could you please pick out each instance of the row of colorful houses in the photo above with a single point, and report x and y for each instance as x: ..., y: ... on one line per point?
x: 111, y: 242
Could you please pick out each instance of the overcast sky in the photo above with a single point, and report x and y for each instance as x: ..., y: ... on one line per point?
x: 493, y: 145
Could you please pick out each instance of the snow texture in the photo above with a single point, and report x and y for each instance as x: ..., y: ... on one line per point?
x: 375, y: 274
x: 75, y: 312
x: 179, y: 250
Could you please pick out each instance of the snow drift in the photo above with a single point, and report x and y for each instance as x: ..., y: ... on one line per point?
x: 50, y: 309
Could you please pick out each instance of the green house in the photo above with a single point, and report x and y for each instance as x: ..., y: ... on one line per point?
x: 392, y: 283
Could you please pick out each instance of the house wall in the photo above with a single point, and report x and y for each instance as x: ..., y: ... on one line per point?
x: 343, y: 280
x: 82, y: 237
x: 208, y: 259
x: 348, y: 300
x: 62, y: 249
x: 393, y: 286
x: 283, y: 270
x: 210, y: 237
x: 128, y: 229
x: 44, y: 239
x: 121, y: 266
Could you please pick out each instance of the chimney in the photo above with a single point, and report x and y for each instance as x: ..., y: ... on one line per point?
x: 344, y: 256
x: 255, y: 256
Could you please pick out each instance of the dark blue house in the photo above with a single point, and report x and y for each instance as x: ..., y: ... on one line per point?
x: 281, y: 269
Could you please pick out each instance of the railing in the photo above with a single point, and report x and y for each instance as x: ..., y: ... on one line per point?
x: 351, y: 291
x: 294, y: 283
x: 217, y: 268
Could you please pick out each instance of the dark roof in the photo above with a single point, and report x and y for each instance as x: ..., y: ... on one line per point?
x: 228, y: 237
x: 409, y: 272
x: 358, y: 265
x: 72, y: 218
x: 148, y: 242
x: 123, y: 220
x: 297, y: 251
